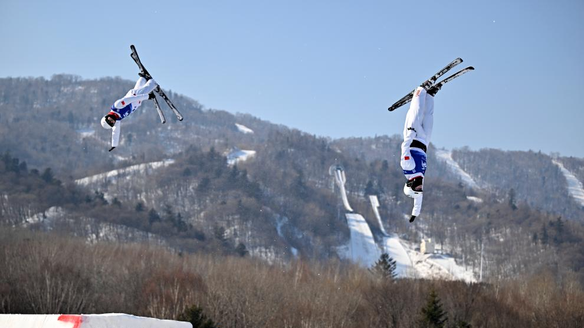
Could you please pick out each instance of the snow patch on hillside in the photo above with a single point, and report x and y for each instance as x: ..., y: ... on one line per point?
x: 575, y: 188
x: 239, y: 155
x: 86, y: 132
x: 243, y: 129
x: 446, y: 156
x: 123, y: 173
x: 439, y: 266
x: 46, y: 217
x: 474, y: 199
x: 280, y: 222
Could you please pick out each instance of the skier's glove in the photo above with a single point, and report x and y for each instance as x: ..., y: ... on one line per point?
x: 407, y: 161
x: 112, y: 148
x: 412, y: 218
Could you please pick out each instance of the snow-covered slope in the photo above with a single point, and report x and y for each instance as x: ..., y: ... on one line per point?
x: 239, y: 155
x: 394, y: 248
x: 112, y: 320
x: 439, y: 266
x: 575, y: 187
x: 243, y: 129
x: 120, y: 173
x: 362, y: 249
x: 446, y: 156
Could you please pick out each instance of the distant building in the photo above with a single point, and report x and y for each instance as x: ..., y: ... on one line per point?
x: 427, y: 246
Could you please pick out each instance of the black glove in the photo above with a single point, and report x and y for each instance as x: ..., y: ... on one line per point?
x: 412, y: 218
x: 112, y: 148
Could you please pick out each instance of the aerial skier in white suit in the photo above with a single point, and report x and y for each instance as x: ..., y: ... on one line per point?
x: 122, y: 108
x: 417, y: 134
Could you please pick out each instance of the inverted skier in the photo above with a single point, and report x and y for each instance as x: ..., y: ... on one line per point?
x: 122, y: 108
x: 417, y: 133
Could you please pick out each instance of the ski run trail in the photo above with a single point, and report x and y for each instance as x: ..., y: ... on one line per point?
x: 466, y: 179
x: 575, y: 188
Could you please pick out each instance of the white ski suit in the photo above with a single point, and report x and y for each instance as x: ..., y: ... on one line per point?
x: 417, y: 133
x: 125, y: 106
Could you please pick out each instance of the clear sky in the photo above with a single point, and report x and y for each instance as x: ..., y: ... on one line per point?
x: 330, y: 68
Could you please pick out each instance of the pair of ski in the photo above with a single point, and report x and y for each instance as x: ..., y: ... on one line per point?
x: 431, y: 84
x: 143, y: 70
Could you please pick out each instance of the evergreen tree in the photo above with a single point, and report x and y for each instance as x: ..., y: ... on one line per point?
x: 433, y: 316
x: 544, y: 235
x: 196, y: 317
x: 241, y: 250
x: 385, y: 267
x: 512, y: 200
x: 370, y: 189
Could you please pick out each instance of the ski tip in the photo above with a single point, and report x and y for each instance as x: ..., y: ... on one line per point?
x: 470, y: 68
x: 132, y: 47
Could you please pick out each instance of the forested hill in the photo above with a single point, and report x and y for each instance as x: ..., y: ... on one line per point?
x: 278, y: 203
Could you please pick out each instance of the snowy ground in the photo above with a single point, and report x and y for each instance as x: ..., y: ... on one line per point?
x: 394, y: 248
x: 239, y: 155
x: 446, y: 156
x: 86, y: 132
x: 121, y: 173
x: 574, y: 185
x: 109, y: 320
x: 362, y: 249
x: 439, y: 266
x: 243, y: 129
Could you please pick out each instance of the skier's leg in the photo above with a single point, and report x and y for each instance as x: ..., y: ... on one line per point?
x: 428, y: 122
x: 140, y: 83
x: 147, y: 87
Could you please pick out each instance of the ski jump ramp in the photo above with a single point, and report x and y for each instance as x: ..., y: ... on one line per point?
x: 339, y: 173
x: 375, y: 204
x: 112, y: 320
x: 363, y: 248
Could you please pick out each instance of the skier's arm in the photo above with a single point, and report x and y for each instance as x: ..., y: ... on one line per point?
x: 116, y: 130
x: 417, y: 205
x: 121, y: 103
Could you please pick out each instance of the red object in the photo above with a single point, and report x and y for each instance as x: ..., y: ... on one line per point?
x: 75, y: 319
x: 407, y: 158
x: 115, y: 114
x: 123, y: 103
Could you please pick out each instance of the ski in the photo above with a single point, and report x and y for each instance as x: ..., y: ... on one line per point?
x: 450, y: 78
x: 136, y: 59
x: 143, y: 70
x: 169, y: 103
x: 437, y: 86
x: 159, y: 110
x: 427, y: 84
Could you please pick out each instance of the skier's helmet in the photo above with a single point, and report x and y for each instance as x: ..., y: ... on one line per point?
x: 413, y: 188
x: 105, y: 123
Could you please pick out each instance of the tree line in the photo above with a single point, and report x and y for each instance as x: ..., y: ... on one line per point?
x: 48, y: 273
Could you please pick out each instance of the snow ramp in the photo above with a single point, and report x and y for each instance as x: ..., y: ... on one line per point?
x: 375, y: 204
x: 340, y: 179
x: 393, y: 247
x: 363, y: 249
x: 112, y: 320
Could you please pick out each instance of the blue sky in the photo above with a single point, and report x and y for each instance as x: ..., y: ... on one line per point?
x: 330, y: 68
